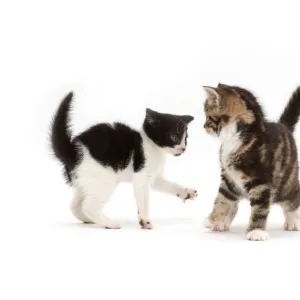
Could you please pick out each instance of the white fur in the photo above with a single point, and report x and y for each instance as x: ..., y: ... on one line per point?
x: 231, y: 141
x: 76, y: 206
x: 258, y: 235
x: 94, y: 184
x: 292, y: 220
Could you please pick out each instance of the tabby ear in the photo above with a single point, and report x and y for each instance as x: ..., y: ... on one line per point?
x: 228, y: 88
x: 187, y: 119
x: 212, y: 95
x: 224, y: 86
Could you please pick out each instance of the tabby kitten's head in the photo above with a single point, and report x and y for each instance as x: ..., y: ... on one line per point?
x: 167, y: 131
x: 226, y: 104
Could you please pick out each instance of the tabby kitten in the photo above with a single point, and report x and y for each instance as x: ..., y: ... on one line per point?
x: 104, y: 155
x: 258, y: 159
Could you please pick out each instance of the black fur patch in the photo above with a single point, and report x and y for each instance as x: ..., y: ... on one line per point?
x: 114, y: 145
x: 165, y: 130
x: 227, y: 194
x: 61, y: 137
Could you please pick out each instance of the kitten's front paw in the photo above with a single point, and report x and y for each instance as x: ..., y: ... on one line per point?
x: 257, y: 235
x: 188, y: 194
x: 146, y: 224
x: 219, y: 226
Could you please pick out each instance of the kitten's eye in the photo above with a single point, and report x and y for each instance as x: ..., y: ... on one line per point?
x: 174, y: 138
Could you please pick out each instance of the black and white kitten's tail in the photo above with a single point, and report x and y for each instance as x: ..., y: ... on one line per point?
x: 61, y: 135
x: 291, y: 113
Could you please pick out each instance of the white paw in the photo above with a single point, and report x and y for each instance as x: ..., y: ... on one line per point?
x: 292, y: 221
x: 258, y: 235
x: 292, y: 225
x: 188, y: 194
x: 146, y: 224
x: 111, y: 225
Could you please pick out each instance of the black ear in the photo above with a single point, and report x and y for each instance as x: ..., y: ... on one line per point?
x: 187, y: 119
x: 151, y: 116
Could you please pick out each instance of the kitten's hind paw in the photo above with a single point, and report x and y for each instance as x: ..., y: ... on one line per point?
x: 292, y: 226
x: 292, y: 221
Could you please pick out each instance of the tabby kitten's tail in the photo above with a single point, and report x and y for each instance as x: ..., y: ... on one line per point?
x: 61, y: 136
x: 290, y: 115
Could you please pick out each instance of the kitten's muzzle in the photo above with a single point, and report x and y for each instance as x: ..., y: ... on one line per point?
x: 179, y: 151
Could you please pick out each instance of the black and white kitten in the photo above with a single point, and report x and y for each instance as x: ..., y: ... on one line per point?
x: 104, y: 155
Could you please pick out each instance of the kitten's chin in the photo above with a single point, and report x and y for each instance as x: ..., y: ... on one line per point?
x: 177, y: 154
x: 173, y: 152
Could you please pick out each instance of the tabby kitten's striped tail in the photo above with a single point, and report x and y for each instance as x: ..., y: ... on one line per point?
x: 291, y: 113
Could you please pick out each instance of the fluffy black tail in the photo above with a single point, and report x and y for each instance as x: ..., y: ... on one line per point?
x: 290, y: 115
x: 61, y: 136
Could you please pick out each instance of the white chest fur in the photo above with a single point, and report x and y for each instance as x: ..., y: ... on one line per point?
x: 154, y: 158
x: 231, y: 141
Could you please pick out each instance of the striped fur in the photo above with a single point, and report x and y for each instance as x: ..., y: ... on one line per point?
x: 258, y: 159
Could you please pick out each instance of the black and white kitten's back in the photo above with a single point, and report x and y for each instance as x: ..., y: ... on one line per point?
x: 104, y: 155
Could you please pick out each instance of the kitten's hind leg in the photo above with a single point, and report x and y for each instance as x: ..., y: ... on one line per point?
x: 291, y: 211
x: 76, y: 206
x: 260, y: 199
x: 97, y: 195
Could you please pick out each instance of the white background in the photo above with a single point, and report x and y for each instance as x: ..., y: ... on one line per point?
x: 120, y: 57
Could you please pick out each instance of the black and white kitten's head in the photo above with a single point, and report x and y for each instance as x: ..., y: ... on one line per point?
x: 167, y: 131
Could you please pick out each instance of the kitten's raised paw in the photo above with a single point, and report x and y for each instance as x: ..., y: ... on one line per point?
x: 188, y: 194
x: 257, y: 235
x: 146, y: 224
